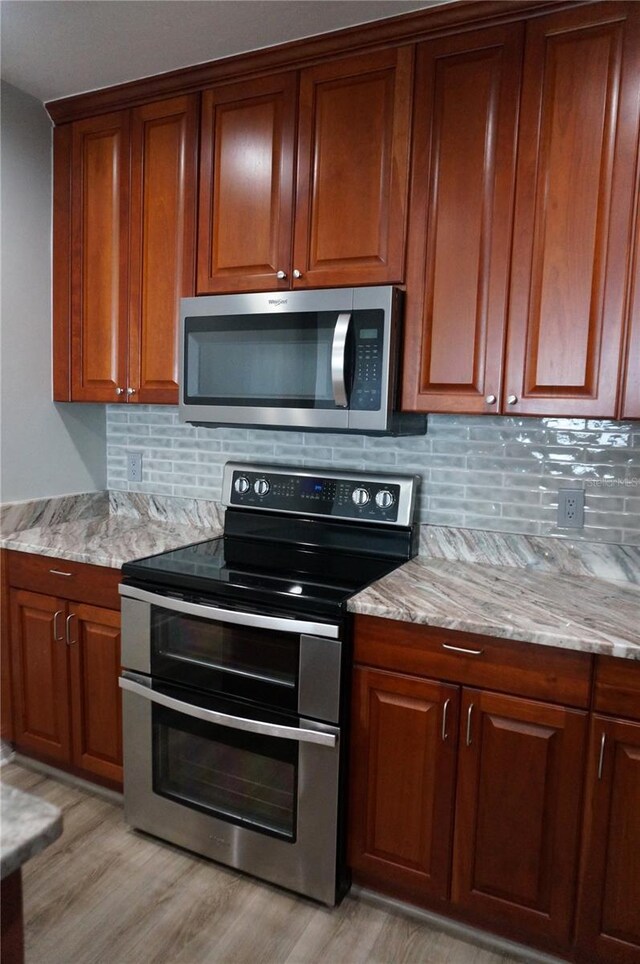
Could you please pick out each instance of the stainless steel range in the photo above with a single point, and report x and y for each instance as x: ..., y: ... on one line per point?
x: 236, y: 656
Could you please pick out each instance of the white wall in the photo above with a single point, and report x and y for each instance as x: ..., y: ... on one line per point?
x: 46, y: 448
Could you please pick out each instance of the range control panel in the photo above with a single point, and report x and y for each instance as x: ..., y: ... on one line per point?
x: 366, y: 497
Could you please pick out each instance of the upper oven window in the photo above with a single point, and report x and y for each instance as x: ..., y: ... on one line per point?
x: 256, y: 664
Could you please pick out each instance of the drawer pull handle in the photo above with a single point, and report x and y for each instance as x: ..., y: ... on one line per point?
x: 460, y: 649
x: 601, y: 760
x: 57, y: 636
x: 469, y: 714
x: 70, y: 641
x: 444, y: 719
x: 59, y: 572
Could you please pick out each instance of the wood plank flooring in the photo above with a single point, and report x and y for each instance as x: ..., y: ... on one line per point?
x: 103, y: 894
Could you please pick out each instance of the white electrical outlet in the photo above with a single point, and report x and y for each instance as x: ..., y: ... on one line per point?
x: 571, y: 508
x: 134, y: 467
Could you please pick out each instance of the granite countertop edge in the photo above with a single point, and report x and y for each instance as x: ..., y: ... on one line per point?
x: 139, y: 540
x: 29, y: 825
x: 397, y: 597
x: 424, y: 591
x: 621, y: 650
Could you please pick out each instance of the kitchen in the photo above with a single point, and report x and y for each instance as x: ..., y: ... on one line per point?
x: 441, y: 711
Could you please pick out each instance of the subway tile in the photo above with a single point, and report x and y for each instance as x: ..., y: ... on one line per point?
x: 284, y: 438
x: 335, y: 438
x: 250, y: 450
x: 218, y: 434
x: 491, y: 472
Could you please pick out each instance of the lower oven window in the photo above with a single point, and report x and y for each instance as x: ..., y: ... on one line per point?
x: 243, y: 778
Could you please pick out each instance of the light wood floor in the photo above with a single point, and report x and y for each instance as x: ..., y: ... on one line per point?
x: 103, y: 894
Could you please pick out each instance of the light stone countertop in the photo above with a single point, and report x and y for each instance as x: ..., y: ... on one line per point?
x: 550, y: 609
x: 108, y: 541
x: 548, y: 592
x: 29, y: 825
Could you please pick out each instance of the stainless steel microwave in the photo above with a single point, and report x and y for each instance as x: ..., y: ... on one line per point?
x: 308, y: 360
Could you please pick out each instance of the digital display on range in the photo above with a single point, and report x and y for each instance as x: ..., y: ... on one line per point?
x: 312, y: 487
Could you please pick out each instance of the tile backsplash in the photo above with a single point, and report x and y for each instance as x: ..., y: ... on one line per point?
x: 500, y: 473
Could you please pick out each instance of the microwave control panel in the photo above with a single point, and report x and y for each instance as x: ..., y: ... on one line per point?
x: 368, y: 333
x: 365, y: 498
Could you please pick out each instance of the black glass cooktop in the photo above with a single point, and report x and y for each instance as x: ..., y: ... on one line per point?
x: 299, y: 567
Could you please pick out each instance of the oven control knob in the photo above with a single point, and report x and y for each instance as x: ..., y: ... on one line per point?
x: 261, y: 487
x: 241, y: 484
x: 384, y: 499
x: 360, y: 496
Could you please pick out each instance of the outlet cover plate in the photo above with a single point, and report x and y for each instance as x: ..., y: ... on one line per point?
x: 571, y: 508
x: 134, y: 467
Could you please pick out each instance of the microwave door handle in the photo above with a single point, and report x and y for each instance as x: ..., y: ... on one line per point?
x: 338, y: 359
x: 223, y: 719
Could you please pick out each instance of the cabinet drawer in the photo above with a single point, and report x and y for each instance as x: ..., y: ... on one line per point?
x: 94, y: 585
x: 617, y: 687
x: 522, y: 669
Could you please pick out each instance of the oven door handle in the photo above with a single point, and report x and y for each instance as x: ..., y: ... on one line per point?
x: 338, y: 359
x: 223, y: 719
x: 280, y: 623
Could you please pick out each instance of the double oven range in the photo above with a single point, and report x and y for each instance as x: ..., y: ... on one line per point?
x: 236, y: 678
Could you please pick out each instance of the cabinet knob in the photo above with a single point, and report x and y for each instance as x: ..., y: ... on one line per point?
x: 281, y: 275
x: 512, y: 399
x: 296, y: 273
x: 491, y: 399
x: 131, y: 391
x: 119, y: 391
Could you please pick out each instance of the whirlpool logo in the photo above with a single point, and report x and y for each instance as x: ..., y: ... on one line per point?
x: 278, y: 301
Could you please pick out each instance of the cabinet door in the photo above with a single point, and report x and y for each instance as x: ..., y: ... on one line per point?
x: 463, y: 169
x: 94, y: 648
x: 631, y: 396
x: 353, y: 166
x: 402, y: 782
x: 246, y: 185
x: 162, y: 265
x: 40, y: 678
x: 518, y: 804
x: 609, y: 904
x: 576, y: 156
x: 99, y: 260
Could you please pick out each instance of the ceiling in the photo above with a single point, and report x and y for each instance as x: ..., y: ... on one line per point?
x: 55, y: 48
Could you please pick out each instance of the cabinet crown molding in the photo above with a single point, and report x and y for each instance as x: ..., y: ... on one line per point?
x: 406, y: 28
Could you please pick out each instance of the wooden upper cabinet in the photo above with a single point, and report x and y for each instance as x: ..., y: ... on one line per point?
x: 99, y: 257
x: 124, y: 251
x: 608, y: 927
x: 576, y: 162
x: 517, y: 817
x: 404, y: 743
x: 353, y: 166
x: 162, y: 241
x: 246, y: 185
x: 39, y: 670
x: 630, y: 405
x: 463, y: 168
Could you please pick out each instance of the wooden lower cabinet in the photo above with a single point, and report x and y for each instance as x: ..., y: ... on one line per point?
x: 517, y: 816
x: 94, y: 662
x: 40, y: 675
x: 608, y: 926
x: 403, y: 782
x: 66, y: 662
